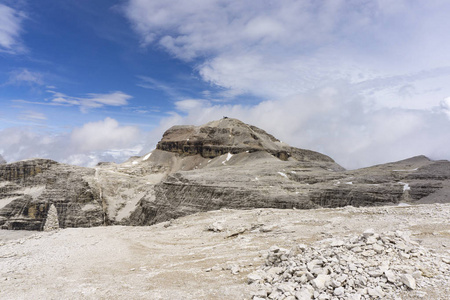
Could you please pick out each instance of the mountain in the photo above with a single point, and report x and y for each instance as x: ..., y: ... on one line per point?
x: 2, y: 160
x: 222, y: 164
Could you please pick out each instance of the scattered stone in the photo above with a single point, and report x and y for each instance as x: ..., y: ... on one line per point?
x: 216, y: 227
x: 51, y: 222
x: 339, y: 291
x: 408, y: 280
x: 334, y: 270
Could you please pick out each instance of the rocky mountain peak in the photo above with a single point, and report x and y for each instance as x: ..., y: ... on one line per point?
x: 229, y: 135
x: 2, y: 160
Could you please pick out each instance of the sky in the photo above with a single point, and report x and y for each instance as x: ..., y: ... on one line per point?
x: 363, y: 81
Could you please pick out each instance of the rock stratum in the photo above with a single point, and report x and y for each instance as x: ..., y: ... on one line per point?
x: 222, y: 164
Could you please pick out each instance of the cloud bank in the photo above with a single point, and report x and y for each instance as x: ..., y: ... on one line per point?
x: 104, y: 140
x: 362, y: 81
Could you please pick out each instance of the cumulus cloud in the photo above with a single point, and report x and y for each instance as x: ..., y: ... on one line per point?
x: 362, y: 81
x: 190, y: 104
x: 335, y: 121
x: 104, y: 140
x: 279, y: 48
x: 445, y: 106
x: 10, y: 29
x: 101, y: 135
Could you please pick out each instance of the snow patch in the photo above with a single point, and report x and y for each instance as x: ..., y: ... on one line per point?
x: 405, y: 186
x: 349, y: 182
x: 403, y: 204
x: 229, y: 156
x: 147, y: 156
x: 410, y: 170
x: 134, y: 162
x: 282, y: 174
x: 293, y: 172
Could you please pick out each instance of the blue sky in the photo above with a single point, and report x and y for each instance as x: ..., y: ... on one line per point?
x: 365, y: 82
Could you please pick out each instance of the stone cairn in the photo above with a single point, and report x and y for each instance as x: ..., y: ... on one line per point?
x: 51, y: 223
x: 369, y: 266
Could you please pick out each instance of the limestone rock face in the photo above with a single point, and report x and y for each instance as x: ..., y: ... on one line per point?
x: 222, y: 164
x: 230, y: 136
x: 29, y: 188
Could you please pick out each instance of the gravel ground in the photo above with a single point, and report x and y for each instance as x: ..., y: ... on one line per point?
x: 203, y: 256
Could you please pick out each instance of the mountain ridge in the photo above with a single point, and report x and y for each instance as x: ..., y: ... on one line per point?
x: 222, y: 164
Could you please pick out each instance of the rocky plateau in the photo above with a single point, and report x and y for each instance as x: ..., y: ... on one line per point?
x: 222, y: 164
x: 225, y: 211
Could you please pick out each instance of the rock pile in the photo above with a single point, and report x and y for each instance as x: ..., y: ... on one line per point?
x: 51, y: 223
x: 369, y: 266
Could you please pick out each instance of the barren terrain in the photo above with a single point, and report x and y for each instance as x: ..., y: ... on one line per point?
x: 207, y: 255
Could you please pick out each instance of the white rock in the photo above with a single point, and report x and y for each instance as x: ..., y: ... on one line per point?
x: 339, y: 291
x: 368, y: 232
x: 390, y: 276
x: 256, y: 276
x: 417, y: 274
x: 321, y: 281
x: 408, y: 280
x: 371, y: 240
x: 304, y: 294
x: 260, y: 293
x: 378, y: 248
x: 337, y: 243
x: 288, y: 287
x: 368, y: 253
x: 376, y: 292
x: 354, y: 297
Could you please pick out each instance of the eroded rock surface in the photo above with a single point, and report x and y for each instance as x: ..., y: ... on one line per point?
x: 222, y: 164
x: 232, y: 136
x: 209, y: 255
x: 29, y: 188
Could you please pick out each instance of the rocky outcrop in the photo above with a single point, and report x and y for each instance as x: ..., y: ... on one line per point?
x: 29, y: 188
x: 222, y: 164
x: 249, y: 180
x: 228, y: 135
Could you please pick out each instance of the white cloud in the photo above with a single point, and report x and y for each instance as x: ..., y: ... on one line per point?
x: 25, y: 76
x: 362, y: 81
x: 190, y: 104
x: 91, y: 101
x: 275, y: 49
x: 105, y: 140
x: 445, y: 106
x: 32, y: 116
x: 335, y: 121
x: 10, y: 29
x: 102, y: 135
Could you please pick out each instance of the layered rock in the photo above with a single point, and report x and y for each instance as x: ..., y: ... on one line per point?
x: 222, y: 164
x: 29, y: 188
x: 228, y: 135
